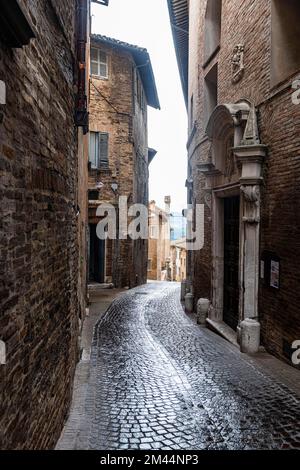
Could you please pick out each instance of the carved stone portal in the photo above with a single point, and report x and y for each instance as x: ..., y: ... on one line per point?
x: 247, y: 154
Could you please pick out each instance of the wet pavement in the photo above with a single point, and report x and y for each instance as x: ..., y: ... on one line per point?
x: 159, y: 381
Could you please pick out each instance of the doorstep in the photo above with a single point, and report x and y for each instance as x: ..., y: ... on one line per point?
x: 95, y: 286
x: 223, y: 330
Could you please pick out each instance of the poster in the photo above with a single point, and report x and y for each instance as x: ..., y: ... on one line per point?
x: 274, y: 278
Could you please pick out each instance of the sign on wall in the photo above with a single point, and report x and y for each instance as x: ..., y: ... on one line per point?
x: 270, y: 270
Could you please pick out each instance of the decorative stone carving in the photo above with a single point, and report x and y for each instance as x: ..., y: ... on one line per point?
x: 251, y: 204
x: 237, y: 63
x: 251, y: 193
x: 230, y: 159
x: 208, y: 199
x: 251, y: 134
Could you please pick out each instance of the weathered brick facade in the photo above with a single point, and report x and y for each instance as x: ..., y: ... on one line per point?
x: 42, y: 242
x: 118, y: 108
x: 253, y: 25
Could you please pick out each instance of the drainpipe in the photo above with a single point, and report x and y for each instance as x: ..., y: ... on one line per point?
x: 81, y: 112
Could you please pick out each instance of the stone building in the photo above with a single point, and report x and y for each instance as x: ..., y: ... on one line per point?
x: 122, y: 85
x: 43, y: 168
x: 159, y: 242
x: 239, y: 62
x: 178, y: 260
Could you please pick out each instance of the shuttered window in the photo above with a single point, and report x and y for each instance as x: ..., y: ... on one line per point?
x: 98, y: 150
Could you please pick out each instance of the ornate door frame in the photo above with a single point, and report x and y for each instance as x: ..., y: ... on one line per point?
x: 248, y: 153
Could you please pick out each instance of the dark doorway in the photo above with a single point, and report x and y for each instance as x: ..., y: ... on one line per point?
x: 96, y: 256
x: 231, y: 261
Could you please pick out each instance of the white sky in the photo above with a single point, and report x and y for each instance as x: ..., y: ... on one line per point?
x: 146, y: 24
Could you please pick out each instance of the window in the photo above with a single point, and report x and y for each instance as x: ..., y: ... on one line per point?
x: 213, y: 19
x: 99, y: 63
x: 98, y: 150
x: 149, y: 265
x: 285, y: 39
x: 153, y: 231
x: 210, y: 92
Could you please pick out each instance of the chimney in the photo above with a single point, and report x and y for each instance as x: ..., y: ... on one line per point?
x: 168, y: 204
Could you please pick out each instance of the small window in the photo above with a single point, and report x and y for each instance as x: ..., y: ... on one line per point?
x: 149, y: 265
x: 98, y: 151
x: 285, y: 39
x: 213, y: 19
x: 99, y: 63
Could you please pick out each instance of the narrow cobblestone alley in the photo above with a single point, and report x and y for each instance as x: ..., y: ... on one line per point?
x: 159, y: 381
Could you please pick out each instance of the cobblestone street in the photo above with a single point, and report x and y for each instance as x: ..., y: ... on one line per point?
x: 159, y: 381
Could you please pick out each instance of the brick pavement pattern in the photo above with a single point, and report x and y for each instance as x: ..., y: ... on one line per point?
x: 159, y: 381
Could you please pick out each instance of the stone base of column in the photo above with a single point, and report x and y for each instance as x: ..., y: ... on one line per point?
x: 202, y: 311
x: 189, y: 303
x: 250, y: 336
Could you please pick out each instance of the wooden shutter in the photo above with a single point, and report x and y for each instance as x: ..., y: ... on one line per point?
x: 103, y: 149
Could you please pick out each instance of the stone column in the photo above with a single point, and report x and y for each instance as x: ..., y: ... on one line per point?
x: 251, y: 158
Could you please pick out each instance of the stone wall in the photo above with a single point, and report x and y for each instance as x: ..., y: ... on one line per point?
x: 249, y: 23
x: 114, y: 109
x: 38, y: 226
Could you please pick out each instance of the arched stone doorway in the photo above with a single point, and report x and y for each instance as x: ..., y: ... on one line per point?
x: 233, y: 176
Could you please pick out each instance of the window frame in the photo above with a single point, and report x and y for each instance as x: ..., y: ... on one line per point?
x: 99, y: 62
x: 101, y: 164
x: 212, y: 30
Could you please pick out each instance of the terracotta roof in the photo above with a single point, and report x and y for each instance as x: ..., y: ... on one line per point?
x: 142, y: 61
x: 179, y: 17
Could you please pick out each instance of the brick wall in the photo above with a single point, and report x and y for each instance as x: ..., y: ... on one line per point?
x: 38, y: 228
x: 248, y: 22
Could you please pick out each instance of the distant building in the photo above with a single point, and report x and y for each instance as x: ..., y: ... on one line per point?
x: 122, y: 86
x: 159, y: 242
x: 178, y: 226
x: 178, y: 260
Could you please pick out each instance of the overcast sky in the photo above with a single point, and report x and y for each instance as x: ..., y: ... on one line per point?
x: 146, y: 24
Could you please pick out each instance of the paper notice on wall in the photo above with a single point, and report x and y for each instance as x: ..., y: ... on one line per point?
x: 274, y: 278
x: 2, y: 92
x: 262, y: 269
x: 2, y: 353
